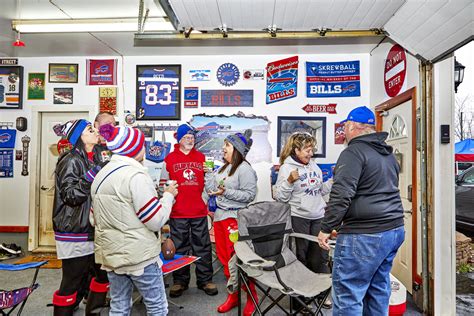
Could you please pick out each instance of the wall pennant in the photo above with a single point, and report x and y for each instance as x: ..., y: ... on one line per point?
x: 282, y: 79
x: 320, y: 108
x: 101, y: 72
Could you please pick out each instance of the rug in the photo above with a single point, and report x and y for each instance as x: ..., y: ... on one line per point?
x: 53, y: 261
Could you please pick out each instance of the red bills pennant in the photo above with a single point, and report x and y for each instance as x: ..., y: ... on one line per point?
x: 320, y: 108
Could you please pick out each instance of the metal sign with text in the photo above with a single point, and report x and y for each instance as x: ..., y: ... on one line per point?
x: 226, y: 98
x: 320, y: 108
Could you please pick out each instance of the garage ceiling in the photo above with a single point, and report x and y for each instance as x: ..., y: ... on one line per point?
x: 425, y: 28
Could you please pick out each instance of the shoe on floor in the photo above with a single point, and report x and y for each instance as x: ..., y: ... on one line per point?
x: 209, y: 288
x: 11, y: 248
x: 177, y: 290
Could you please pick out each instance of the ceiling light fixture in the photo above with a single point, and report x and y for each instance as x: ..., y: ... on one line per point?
x: 90, y: 25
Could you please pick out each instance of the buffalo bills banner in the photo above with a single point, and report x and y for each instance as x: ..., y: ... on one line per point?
x: 282, y: 79
x: 333, y: 79
x: 7, y: 138
x: 101, y: 72
x: 158, y: 92
x: 191, y: 97
x: 226, y: 98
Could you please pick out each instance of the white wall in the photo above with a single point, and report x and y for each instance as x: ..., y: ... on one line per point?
x: 14, y: 192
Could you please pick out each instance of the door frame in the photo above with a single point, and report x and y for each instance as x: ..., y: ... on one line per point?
x: 34, y: 164
x: 410, y: 94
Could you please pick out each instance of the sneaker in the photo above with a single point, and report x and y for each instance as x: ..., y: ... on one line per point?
x: 177, y: 290
x: 327, y: 304
x: 209, y: 288
x: 11, y: 248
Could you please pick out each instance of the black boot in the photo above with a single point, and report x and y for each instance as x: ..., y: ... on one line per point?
x: 96, y: 298
x: 64, y: 304
x: 63, y: 310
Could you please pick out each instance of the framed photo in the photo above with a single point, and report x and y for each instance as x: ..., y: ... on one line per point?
x: 158, y: 92
x: 315, y: 126
x: 11, y: 87
x: 62, y: 95
x: 36, y: 84
x: 108, y: 99
x: 63, y: 73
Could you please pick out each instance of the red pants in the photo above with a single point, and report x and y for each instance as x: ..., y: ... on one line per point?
x: 224, y: 247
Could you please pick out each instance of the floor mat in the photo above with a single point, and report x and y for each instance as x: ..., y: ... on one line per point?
x: 53, y: 261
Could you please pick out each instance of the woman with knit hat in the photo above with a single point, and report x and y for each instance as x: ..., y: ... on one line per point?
x: 235, y: 186
x: 73, y: 233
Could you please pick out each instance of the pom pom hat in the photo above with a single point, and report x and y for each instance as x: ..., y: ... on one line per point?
x: 124, y: 141
x: 241, y: 142
x: 72, y: 130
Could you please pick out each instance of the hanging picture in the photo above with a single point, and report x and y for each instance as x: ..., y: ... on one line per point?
x: 339, y: 135
x: 101, y: 72
x: 282, y: 79
x: 63, y: 73
x: 316, y: 126
x: 158, y: 92
x: 108, y: 100
x: 36, y: 83
x: 11, y: 87
x: 62, y: 95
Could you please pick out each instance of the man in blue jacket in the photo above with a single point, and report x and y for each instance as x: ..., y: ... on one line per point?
x: 366, y: 209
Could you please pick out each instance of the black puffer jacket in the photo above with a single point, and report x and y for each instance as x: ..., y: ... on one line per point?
x: 72, y: 198
x: 365, y: 197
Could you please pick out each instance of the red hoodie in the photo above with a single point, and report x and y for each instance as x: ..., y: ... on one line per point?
x: 188, y: 171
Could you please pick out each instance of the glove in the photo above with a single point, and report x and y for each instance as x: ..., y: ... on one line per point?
x: 91, y: 173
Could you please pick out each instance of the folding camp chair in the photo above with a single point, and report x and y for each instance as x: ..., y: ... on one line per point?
x: 264, y: 255
x: 14, y: 298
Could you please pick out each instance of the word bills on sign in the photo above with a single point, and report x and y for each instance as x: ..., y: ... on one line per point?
x: 282, y: 79
x: 320, y: 108
x: 333, y: 79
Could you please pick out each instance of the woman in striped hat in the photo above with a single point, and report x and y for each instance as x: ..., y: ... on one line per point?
x: 74, y: 235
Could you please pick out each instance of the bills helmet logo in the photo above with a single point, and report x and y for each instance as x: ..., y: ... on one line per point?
x: 188, y: 174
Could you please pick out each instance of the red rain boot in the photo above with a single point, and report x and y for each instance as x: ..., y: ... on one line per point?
x: 231, y: 302
x: 250, y: 306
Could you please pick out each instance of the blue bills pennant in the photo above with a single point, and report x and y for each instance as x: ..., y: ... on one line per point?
x: 282, y: 79
x: 333, y: 79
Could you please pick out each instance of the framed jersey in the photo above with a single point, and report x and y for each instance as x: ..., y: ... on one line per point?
x: 158, y: 92
x: 11, y: 87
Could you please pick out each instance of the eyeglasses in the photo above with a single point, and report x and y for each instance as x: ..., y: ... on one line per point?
x: 188, y: 138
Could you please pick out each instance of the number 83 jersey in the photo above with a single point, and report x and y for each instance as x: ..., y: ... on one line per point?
x: 158, y: 93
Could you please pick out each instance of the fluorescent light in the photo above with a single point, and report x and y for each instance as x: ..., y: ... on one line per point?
x: 90, y: 25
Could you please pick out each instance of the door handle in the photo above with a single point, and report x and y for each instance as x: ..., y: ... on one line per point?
x: 408, y: 211
x: 410, y: 193
x: 43, y: 188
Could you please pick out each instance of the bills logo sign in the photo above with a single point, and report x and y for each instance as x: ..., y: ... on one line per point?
x: 228, y: 74
x: 282, y: 79
x: 4, y: 137
x: 101, y: 72
x: 226, y: 98
x: 200, y: 75
x: 254, y: 74
x: 320, y: 108
x: 333, y: 79
x: 327, y: 170
x: 191, y: 97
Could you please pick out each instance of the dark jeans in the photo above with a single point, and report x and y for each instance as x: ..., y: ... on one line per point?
x: 309, y: 253
x: 77, y: 273
x: 361, y: 273
x: 191, y: 237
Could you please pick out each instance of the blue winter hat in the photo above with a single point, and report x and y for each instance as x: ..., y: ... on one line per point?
x: 362, y: 114
x: 184, y: 129
x: 72, y: 130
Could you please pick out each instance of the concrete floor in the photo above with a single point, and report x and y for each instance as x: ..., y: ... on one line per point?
x: 193, y: 301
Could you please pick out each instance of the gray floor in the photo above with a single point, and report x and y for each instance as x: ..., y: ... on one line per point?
x: 193, y: 301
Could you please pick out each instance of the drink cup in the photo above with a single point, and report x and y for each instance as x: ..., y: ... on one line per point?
x: 210, y: 162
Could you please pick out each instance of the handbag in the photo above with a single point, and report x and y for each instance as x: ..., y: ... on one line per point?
x: 157, y: 151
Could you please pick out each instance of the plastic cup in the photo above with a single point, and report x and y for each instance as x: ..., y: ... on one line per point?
x: 209, y: 162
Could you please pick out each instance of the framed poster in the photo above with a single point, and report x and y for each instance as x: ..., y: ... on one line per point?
x: 108, y: 99
x: 36, y: 83
x: 316, y: 126
x: 11, y: 87
x: 63, y: 73
x: 62, y: 95
x: 158, y: 92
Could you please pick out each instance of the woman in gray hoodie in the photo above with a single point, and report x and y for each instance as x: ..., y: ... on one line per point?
x: 300, y: 183
x: 234, y: 185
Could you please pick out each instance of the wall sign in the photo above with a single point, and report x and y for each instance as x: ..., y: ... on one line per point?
x: 6, y: 163
x: 200, y: 75
x: 7, y: 138
x: 333, y: 79
x: 158, y: 92
x: 320, y: 108
x: 36, y: 85
x: 395, y: 70
x: 63, y: 73
x: 226, y: 98
x: 228, y: 74
x: 108, y: 99
x: 63, y: 96
x: 282, y: 79
x: 24, y: 164
x: 101, y: 72
x: 254, y: 74
x: 191, y: 97
x: 8, y: 61
x: 327, y: 169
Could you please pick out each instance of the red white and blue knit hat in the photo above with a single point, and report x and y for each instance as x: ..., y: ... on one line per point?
x: 124, y: 141
x: 72, y: 130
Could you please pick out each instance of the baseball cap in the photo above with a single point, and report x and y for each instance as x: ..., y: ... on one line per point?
x: 362, y: 114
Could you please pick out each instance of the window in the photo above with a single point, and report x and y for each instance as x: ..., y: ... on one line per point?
x: 469, y: 176
x: 398, y: 128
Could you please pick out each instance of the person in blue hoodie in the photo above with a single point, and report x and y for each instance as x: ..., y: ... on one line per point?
x: 300, y: 183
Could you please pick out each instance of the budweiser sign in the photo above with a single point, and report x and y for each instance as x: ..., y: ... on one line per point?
x: 320, y: 108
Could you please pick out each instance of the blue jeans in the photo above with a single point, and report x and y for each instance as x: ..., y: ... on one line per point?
x: 149, y: 284
x: 361, y: 272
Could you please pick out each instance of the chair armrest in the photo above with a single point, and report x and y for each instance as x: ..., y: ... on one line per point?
x: 249, y: 257
x: 304, y: 236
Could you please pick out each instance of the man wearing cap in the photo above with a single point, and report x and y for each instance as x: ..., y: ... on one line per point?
x: 366, y: 209
x: 188, y: 219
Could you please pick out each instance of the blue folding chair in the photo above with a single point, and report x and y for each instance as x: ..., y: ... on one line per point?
x: 10, y: 300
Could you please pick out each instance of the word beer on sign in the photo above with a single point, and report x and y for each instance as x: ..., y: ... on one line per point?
x: 320, y: 108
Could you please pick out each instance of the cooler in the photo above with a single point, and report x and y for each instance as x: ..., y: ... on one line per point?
x: 398, y: 298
